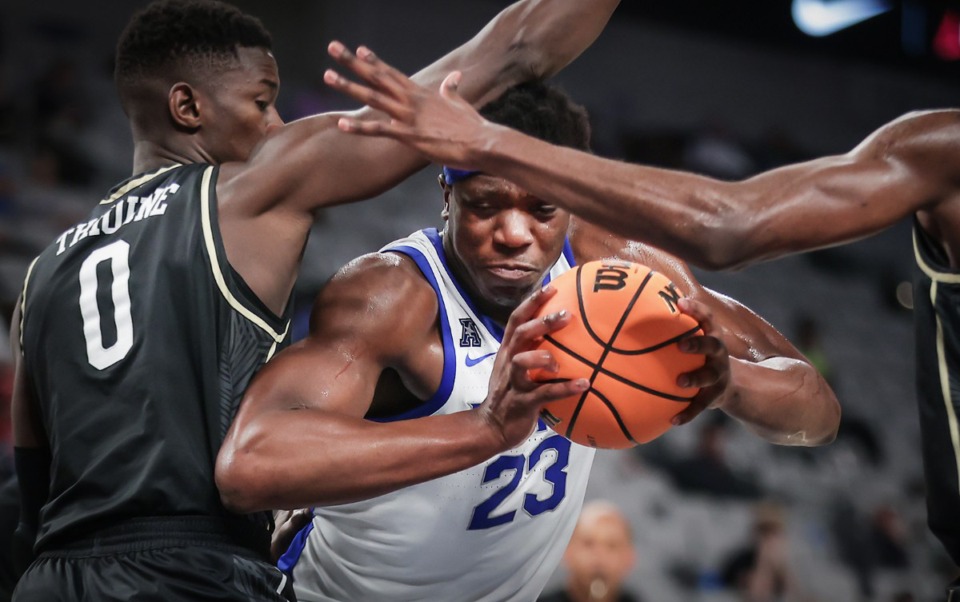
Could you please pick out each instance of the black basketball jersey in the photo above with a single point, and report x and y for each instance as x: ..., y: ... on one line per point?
x: 140, y: 340
x: 937, y: 318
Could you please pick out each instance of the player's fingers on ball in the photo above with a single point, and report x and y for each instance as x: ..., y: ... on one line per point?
x: 528, y: 309
x: 537, y: 359
x: 705, y: 376
x: 554, y: 390
x: 699, y: 311
x: 704, y: 345
x: 532, y: 304
x: 689, y: 413
x: 522, y: 363
x: 536, y: 328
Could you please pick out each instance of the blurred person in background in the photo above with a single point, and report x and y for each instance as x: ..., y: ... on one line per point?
x: 760, y: 572
x: 599, y: 557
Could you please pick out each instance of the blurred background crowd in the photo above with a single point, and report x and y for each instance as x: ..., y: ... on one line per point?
x: 726, y: 89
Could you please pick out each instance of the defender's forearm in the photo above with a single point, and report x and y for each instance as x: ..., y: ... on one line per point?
x: 783, y: 400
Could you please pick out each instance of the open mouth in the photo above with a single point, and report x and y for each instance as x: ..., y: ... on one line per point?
x: 511, y: 273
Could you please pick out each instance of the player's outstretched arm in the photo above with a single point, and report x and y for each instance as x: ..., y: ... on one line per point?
x: 771, y: 387
x: 907, y: 165
x: 300, y: 439
x: 310, y: 163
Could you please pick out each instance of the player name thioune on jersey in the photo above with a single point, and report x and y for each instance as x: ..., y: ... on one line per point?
x: 126, y: 210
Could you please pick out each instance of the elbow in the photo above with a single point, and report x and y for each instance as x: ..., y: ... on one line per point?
x: 831, y: 422
x: 241, y: 480
x: 724, y: 228
x: 826, y: 421
x: 717, y: 244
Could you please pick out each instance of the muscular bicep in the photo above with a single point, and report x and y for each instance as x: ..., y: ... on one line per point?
x: 374, y: 315
x: 906, y: 166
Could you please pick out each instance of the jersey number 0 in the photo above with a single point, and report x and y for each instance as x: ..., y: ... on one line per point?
x: 118, y: 255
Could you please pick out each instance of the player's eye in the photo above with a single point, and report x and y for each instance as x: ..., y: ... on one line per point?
x: 262, y: 105
x: 478, y: 206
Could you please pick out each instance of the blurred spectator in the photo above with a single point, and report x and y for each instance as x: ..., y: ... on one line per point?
x: 599, y: 557
x: 61, y: 111
x: 707, y: 471
x: 888, y: 535
x: 760, y: 572
x: 714, y: 151
x: 809, y: 343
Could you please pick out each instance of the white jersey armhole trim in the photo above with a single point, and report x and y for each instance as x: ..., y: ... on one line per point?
x: 215, y: 263
x: 945, y: 383
x: 23, y: 298
x: 139, y: 181
x: 934, y: 275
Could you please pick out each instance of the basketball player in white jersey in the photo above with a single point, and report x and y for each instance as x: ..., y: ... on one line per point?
x: 411, y: 334
x: 907, y: 167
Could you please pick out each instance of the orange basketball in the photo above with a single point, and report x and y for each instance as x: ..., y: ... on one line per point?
x: 622, y: 338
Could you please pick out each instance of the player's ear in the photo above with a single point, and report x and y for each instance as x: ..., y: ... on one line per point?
x: 183, y: 105
x: 445, y: 213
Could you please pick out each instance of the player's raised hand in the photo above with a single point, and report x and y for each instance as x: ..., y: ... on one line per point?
x: 438, y: 123
x: 713, y: 377
x: 514, y: 400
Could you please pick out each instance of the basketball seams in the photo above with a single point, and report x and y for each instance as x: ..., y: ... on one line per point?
x: 616, y: 416
x: 604, y: 371
x: 583, y: 310
x: 660, y: 345
x: 607, y: 346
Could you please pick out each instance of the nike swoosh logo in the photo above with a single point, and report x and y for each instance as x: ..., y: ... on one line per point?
x: 471, y: 362
x: 823, y: 17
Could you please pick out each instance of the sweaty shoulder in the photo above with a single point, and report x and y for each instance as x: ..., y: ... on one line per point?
x: 919, y: 137
x: 590, y: 243
x: 381, y: 295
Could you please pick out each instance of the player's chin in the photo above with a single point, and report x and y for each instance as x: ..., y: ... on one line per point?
x: 509, y: 296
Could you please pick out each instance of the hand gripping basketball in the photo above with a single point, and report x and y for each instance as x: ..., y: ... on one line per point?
x: 622, y: 338
x: 513, y: 399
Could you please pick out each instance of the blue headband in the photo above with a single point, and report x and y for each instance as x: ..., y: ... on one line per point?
x: 452, y: 176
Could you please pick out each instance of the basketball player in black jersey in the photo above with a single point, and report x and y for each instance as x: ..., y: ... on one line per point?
x: 138, y: 329
x: 908, y: 167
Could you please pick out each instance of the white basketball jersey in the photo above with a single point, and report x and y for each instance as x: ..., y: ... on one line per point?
x: 493, y: 532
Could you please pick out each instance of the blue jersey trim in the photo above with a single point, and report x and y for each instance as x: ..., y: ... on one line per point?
x: 293, y: 553
x: 568, y: 253
x: 495, y: 329
x: 440, y: 397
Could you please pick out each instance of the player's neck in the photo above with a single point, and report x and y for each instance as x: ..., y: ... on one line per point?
x: 149, y: 156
